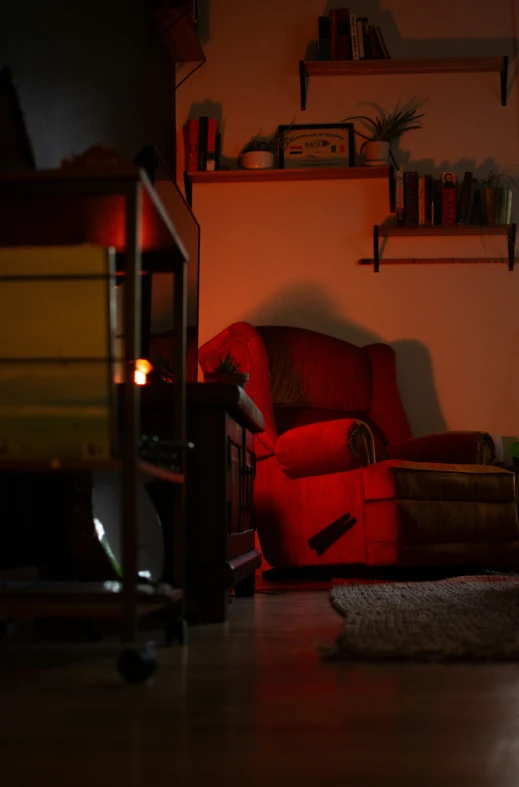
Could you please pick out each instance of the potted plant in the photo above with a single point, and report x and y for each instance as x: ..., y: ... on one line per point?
x: 227, y: 372
x: 382, y: 131
x: 495, y: 198
x: 259, y: 153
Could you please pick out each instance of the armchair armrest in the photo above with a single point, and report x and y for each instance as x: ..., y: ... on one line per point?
x: 472, y: 448
x: 325, y: 447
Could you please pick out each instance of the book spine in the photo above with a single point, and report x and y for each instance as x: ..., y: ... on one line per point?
x: 376, y: 53
x: 449, y: 195
x: 333, y: 33
x: 411, y: 199
x: 382, y: 43
x: 421, y: 200
x: 340, y: 42
x: 437, y: 201
x: 202, y: 142
x: 323, y: 41
x: 399, y: 198
x: 217, y: 150
x: 191, y: 145
x: 211, y: 145
x: 428, y: 200
x: 367, y: 41
x: 353, y: 36
x: 360, y: 38
x: 463, y: 206
x: 471, y: 217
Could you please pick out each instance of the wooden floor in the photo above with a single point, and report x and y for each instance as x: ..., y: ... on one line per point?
x: 250, y: 703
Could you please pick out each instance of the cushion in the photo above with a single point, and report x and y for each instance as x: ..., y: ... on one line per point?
x: 397, y: 479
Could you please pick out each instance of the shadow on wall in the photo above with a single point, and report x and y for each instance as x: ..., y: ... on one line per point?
x: 417, y: 387
x: 309, y: 306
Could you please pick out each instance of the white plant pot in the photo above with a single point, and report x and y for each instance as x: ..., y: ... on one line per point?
x: 257, y: 159
x: 376, y: 154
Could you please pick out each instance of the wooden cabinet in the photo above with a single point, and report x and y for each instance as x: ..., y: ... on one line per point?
x: 222, y: 421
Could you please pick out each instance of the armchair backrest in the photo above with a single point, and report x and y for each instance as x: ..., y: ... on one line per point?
x: 298, y: 376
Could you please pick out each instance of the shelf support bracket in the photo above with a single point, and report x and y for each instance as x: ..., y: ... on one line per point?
x: 504, y: 81
x: 302, y: 83
x: 376, y: 259
x: 512, y: 230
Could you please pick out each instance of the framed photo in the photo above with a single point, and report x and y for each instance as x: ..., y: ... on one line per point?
x: 317, y: 145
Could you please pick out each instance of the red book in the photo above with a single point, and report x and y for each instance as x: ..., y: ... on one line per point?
x: 191, y: 145
x: 211, y: 145
x: 340, y: 40
x: 449, y: 198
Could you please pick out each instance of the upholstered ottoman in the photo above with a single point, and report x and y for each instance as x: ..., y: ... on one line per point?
x: 420, y: 513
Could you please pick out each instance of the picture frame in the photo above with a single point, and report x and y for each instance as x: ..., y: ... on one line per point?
x: 316, y: 145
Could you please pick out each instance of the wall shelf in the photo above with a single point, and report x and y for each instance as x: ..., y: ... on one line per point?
x: 438, y: 261
x: 299, y: 174
x: 441, y: 65
x: 458, y: 230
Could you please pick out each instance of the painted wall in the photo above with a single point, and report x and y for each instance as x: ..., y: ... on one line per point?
x: 287, y: 254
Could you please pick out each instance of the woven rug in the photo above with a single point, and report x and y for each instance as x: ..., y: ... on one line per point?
x: 467, y: 618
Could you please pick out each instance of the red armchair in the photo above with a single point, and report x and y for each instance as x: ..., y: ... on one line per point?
x: 337, y: 441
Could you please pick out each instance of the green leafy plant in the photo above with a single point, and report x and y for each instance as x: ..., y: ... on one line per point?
x: 497, y: 180
x: 387, y: 128
x: 228, y: 365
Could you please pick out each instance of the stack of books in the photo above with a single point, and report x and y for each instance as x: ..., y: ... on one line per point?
x: 346, y: 36
x: 202, y: 144
x: 424, y: 200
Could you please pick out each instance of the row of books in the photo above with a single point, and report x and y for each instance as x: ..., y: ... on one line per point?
x: 202, y: 142
x: 345, y: 36
x: 427, y: 200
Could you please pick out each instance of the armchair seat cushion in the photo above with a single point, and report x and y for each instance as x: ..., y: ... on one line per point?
x: 420, y: 512
x: 402, y: 480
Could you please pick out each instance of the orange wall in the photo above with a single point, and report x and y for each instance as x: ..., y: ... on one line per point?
x: 287, y: 253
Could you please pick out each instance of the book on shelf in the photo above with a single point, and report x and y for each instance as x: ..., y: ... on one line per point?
x: 340, y: 41
x: 399, y: 198
x: 424, y: 200
x: 323, y: 39
x: 347, y: 36
x: 201, y: 144
x: 355, y: 52
x: 437, y: 201
x: 210, y: 164
x: 191, y: 145
x: 421, y: 200
x: 360, y: 38
x: 411, y: 199
x: 429, y: 196
x: 449, y: 198
x: 382, y: 44
x: 463, y: 201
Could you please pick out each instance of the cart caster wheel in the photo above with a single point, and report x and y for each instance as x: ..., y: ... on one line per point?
x: 176, y: 632
x: 137, y: 664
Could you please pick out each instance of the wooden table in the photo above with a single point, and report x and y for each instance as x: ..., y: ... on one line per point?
x: 221, y: 422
